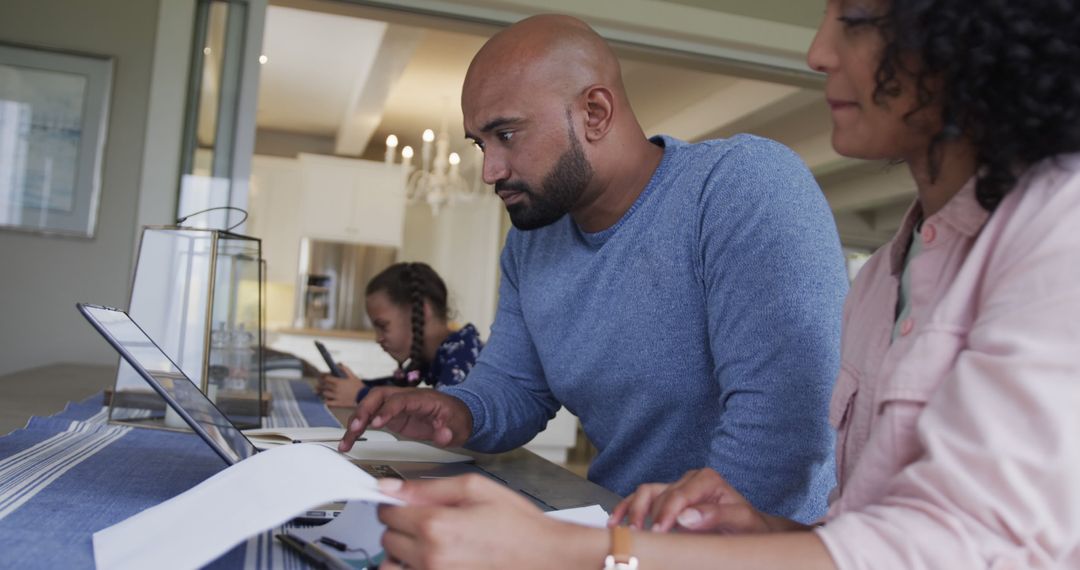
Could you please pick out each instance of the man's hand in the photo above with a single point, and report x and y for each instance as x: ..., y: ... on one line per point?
x: 421, y: 414
x: 701, y: 501
x: 340, y: 392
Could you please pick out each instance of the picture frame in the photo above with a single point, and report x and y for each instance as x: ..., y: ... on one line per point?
x: 54, y: 113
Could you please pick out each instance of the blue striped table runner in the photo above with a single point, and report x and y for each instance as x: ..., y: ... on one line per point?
x: 66, y: 476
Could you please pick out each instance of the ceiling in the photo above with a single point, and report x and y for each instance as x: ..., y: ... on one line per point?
x: 349, y: 82
x: 805, y: 13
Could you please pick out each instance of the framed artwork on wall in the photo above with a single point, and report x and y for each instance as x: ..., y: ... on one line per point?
x: 54, y: 108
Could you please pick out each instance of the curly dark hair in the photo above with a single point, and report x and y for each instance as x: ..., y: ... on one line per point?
x: 1006, y: 72
x: 409, y: 285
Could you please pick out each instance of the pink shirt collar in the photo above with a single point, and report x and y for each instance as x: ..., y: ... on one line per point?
x: 962, y: 213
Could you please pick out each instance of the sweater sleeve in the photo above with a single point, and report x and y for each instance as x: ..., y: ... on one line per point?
x: 775, y: 284
x: 506, y: 391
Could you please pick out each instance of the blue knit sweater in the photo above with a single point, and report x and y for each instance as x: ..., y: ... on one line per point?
x: 702, y: 329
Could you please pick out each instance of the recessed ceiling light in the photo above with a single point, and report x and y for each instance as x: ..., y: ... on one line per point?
x: 206, y: 50
x: 263, y: 59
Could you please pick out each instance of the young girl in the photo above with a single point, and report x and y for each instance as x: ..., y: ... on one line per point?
x: 407, y: 306
x: 958, y: 402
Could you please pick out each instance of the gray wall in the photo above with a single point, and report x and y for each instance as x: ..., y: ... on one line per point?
x: 42, y: 277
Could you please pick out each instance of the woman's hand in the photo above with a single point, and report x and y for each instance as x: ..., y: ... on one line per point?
x: 471, y: 522
x: 340, y: 392
x: 702, y: 501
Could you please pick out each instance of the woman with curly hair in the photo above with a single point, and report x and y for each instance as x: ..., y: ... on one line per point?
x: 407, y: 305
x: 957, y: 407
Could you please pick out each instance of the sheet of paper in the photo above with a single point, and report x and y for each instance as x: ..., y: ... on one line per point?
x: 265, y: 438
x: 401, y: 451
x: 259, y: 493
x: 592, y: 515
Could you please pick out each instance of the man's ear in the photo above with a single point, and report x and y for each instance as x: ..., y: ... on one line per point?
x: 600, y: 112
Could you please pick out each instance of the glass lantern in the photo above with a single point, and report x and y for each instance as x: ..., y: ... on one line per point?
x: 198, y: 293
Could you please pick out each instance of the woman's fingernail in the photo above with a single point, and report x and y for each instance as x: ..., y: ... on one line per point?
x: 389, y: 484
x: 689, y: 518
x: 656, y: 528
x: 354, y: 425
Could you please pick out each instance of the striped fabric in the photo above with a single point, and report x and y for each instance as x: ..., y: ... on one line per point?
x: 66, y: 476
x: 26, y: 473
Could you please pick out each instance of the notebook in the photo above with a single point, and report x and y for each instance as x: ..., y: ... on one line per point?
x: 229, y: 442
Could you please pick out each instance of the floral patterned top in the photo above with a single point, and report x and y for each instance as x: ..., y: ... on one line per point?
x: 455, y: 357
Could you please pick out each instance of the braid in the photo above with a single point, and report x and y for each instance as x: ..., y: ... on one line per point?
x: 416, y: 356
x: 415, y: 286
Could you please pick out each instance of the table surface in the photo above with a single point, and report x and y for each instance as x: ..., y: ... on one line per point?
x: 46, y: 390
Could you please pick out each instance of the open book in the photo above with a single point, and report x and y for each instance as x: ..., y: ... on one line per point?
x: 265, y: 438
x: 373, y: 446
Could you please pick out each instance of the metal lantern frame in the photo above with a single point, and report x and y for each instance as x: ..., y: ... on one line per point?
x: 193, y: 293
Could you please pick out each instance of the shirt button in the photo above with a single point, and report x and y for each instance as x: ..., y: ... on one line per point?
x: 929, y: 232
x: 906, y: 326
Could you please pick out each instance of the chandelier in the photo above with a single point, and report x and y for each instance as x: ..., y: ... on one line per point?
x: 438, y: 181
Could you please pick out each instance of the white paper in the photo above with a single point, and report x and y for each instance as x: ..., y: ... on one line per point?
x: 265, y: 438
x: 259, y: 493
x: 592, y: 515
x: 408, y: 451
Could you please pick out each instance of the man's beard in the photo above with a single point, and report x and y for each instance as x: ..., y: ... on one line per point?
x: 561, y: 189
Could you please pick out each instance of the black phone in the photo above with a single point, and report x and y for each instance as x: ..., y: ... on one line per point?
x: 335, y: 370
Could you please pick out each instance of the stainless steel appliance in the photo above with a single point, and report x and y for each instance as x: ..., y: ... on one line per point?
x: 335, y: 276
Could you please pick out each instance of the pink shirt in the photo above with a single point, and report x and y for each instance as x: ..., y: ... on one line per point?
x: 959, y: 442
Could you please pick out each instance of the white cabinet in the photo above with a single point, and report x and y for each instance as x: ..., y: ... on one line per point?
x: 362, y: 355
x: 350, y: 200
x: 556, y: 440
x: 276, y: 197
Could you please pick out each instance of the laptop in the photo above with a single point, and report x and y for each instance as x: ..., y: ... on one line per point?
x: 199, y: 412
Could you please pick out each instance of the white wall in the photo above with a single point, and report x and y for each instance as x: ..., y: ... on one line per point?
x: 42, y: 277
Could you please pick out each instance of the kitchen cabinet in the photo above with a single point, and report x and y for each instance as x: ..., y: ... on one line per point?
x: 276, y: 197
x: 351, y: 200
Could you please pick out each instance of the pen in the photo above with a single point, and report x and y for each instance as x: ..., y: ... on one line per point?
x: 316, y: 556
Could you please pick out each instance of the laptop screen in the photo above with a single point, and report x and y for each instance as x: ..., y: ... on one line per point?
x: 165, y: 377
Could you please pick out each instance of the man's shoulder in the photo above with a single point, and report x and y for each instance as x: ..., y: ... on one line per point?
x: 738, y: 148
x: 743, y: 168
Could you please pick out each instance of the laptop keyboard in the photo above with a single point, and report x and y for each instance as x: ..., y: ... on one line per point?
x: 380, y: 470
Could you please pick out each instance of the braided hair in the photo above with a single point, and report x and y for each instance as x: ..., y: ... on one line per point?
x: 410, y: 284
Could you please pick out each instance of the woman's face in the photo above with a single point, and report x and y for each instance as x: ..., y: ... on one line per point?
x: 848, y: 49
x: 393, y: 325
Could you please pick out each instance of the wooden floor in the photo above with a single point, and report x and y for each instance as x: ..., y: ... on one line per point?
x: 44, y: 391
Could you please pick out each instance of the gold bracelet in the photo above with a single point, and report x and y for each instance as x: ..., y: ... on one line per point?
x: 621, y: 548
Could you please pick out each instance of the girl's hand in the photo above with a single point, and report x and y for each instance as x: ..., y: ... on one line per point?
x: 340, y: 392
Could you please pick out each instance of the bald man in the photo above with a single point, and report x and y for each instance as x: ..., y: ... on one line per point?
x: 682, y: 300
